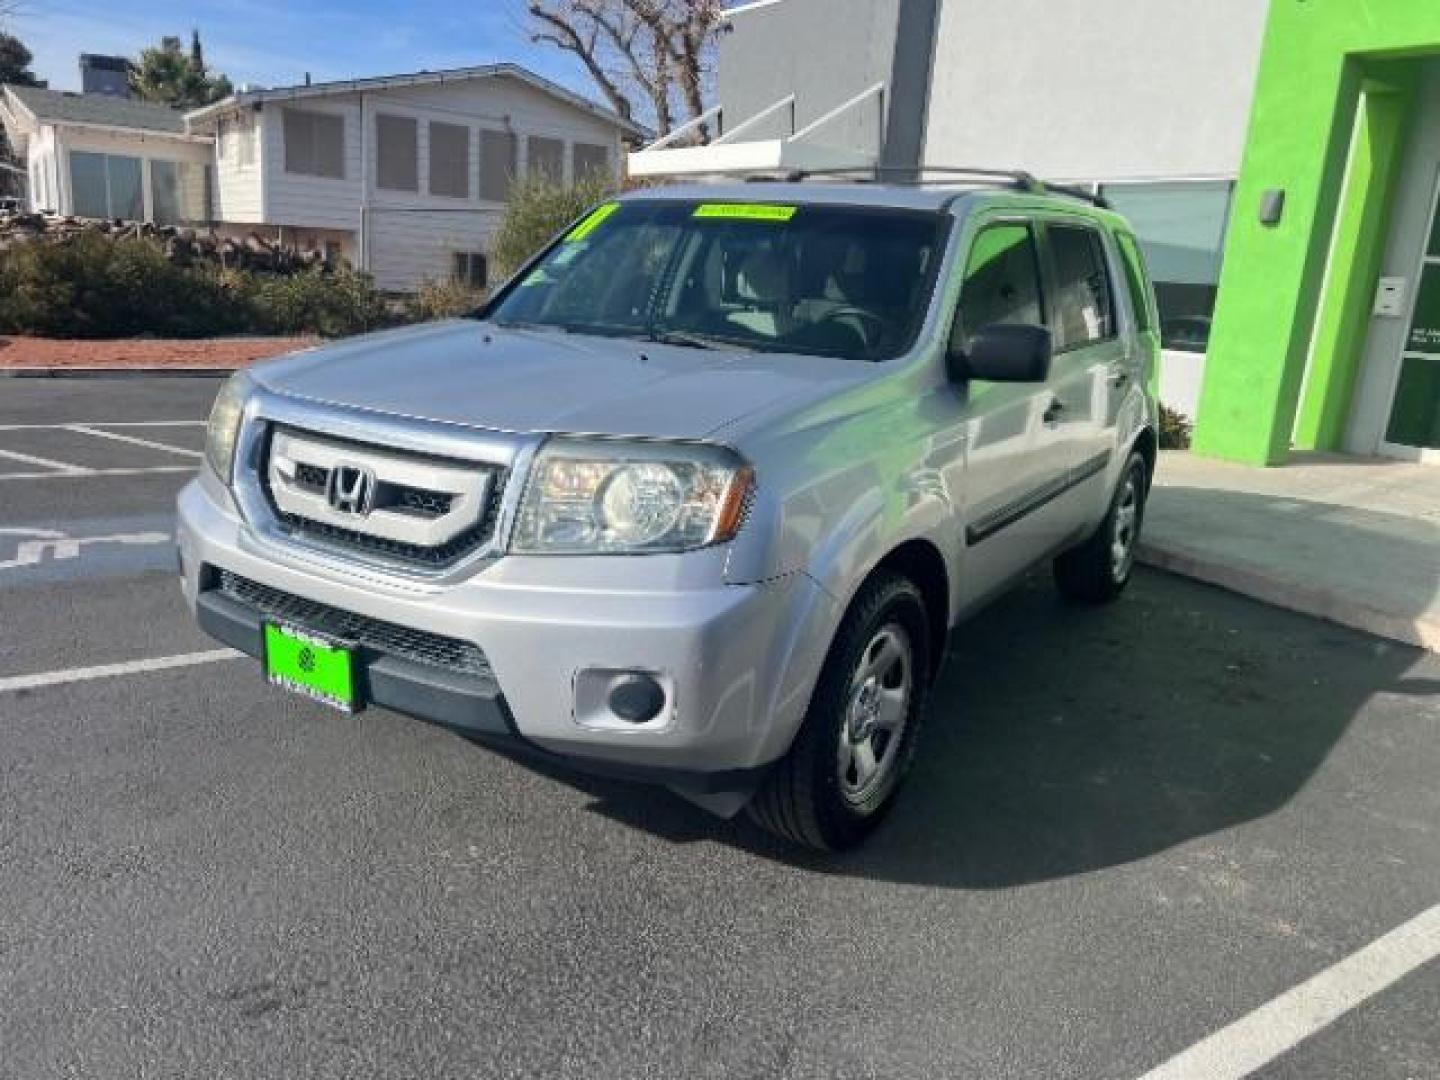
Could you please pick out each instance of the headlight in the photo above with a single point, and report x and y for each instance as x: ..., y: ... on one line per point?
x: 224, y: 426
x: 595, y: 496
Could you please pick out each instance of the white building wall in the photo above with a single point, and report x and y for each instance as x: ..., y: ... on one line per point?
x: 238, y: 192
x: 1101, y: 90
x: 316, y: 201
x: 410, y: 248
x: 44, y: 171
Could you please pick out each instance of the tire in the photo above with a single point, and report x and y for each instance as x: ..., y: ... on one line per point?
x: 827, y: 793
x: 1097, y: 571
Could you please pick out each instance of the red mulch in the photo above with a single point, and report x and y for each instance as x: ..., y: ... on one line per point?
x: 29, y: 352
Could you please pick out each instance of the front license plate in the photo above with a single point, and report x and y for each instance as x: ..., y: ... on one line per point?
x: 310, y: 665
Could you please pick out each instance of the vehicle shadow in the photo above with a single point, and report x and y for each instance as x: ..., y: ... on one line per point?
x: 1062, y: 740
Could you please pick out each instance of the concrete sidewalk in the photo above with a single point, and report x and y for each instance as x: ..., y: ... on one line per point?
x: 1352, y: 540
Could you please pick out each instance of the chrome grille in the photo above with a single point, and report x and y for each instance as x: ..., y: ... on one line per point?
x: 429, y: 512
x: 421, y: 646
x: 313, y: 477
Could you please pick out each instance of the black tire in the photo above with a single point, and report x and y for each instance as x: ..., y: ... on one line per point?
x: 804, y: 799
x: 1093, y: 572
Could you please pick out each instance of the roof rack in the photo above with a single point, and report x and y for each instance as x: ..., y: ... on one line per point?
x: 1016, y: 179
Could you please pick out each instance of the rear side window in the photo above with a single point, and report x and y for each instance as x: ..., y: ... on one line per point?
x: 1084, y: 311
x: 1002, y: 282
x: 1137, y: 282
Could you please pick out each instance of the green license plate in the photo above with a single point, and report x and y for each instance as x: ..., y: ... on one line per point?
x: 310, y: 665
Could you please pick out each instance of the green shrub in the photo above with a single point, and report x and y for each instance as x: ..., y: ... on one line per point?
x: 536, y: 210
x: 443, y: 300
x: 330, y: 304
x: 98, y: 286
x: 1175, y: 429
x: 94, y: 286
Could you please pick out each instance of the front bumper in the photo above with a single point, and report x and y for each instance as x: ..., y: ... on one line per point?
x: 738, y: 661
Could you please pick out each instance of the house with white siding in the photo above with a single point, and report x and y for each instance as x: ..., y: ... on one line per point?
x: 405, y: 175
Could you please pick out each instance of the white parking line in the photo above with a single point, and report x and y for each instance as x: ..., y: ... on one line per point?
x: 76, y: 471
x: 31, y: 459
x: 132, y: 440
x: 104, y: 671
x: 1277, y: 1026
x: 103, y: 423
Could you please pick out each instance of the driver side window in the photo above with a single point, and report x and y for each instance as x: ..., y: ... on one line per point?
x: 1002, y: 283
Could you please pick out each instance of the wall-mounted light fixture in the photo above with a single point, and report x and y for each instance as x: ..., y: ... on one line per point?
x: 1272, y: 207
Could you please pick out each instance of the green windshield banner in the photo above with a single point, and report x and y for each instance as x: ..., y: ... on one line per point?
x: 591, y: 222
x: 745, y: 211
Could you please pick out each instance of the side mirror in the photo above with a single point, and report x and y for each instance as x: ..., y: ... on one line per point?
x: 1003, y: 354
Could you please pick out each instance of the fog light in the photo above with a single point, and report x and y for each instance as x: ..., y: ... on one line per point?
x: 637, y: 698
x: 624, y: 699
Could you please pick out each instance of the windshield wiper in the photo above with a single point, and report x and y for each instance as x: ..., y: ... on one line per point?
x: 688, y: 340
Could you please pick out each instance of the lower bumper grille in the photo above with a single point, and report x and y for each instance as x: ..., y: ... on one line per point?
x: 421, y: 646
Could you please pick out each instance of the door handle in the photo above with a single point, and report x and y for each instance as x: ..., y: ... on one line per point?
x: 1053, y: 410
x: 1119, y: 379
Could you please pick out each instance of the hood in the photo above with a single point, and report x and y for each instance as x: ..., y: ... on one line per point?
x: 479, y: 375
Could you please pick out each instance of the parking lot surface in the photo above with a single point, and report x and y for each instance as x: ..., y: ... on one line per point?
x: 1126, y: 832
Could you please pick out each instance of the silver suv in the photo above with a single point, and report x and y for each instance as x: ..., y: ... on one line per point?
x: 700, y: 493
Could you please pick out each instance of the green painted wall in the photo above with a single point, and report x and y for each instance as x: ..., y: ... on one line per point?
x: 1321, y: 60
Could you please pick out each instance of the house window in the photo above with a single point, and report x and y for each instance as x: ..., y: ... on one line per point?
x: 165, y: 192
x: 471, y: 269
x: 314, y: 144
x: 547, y: 159
x: 106, y: 186
x: 450, y: 160
x: 590, y: 160
x: 1181, y: 229
x: 498, y: 153
x: 396, y: 152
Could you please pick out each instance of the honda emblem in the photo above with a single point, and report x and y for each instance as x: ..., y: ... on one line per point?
x: 351, y: 490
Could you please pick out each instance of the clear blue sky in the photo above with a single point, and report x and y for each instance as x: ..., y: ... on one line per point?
x: 274, y: 43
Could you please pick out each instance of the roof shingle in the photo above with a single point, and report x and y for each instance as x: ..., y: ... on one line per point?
x: 59, y: 106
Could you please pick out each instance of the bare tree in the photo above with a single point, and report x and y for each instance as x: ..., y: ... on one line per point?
x: 654, y: 51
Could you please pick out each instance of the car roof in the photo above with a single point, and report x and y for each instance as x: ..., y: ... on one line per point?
x: 954, y: 198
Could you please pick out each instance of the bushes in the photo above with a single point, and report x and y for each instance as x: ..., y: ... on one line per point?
x: 443, y: 300
x: 538, y: 209
x: 98, y: 286
x: 1175, y: 429
x: 312, y: 302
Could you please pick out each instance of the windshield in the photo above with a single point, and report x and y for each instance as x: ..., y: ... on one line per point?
x: 842, y: 281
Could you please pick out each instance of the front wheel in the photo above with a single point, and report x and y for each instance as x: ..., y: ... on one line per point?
x: 1097, y: 571
x: 845, y: 766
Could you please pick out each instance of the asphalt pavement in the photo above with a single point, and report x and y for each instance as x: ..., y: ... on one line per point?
x: 1127, y: 830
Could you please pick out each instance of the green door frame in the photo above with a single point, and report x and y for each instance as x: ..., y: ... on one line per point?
x: 1362, y: 227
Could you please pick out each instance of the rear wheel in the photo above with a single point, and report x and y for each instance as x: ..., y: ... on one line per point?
x: 845, y: 766
x: 1097, y: 571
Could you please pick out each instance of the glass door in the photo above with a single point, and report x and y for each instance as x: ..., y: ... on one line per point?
x: 1413, y: 429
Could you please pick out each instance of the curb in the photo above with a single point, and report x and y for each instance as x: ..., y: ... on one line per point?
x: 1423, y: 632
x: 115, y: 372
